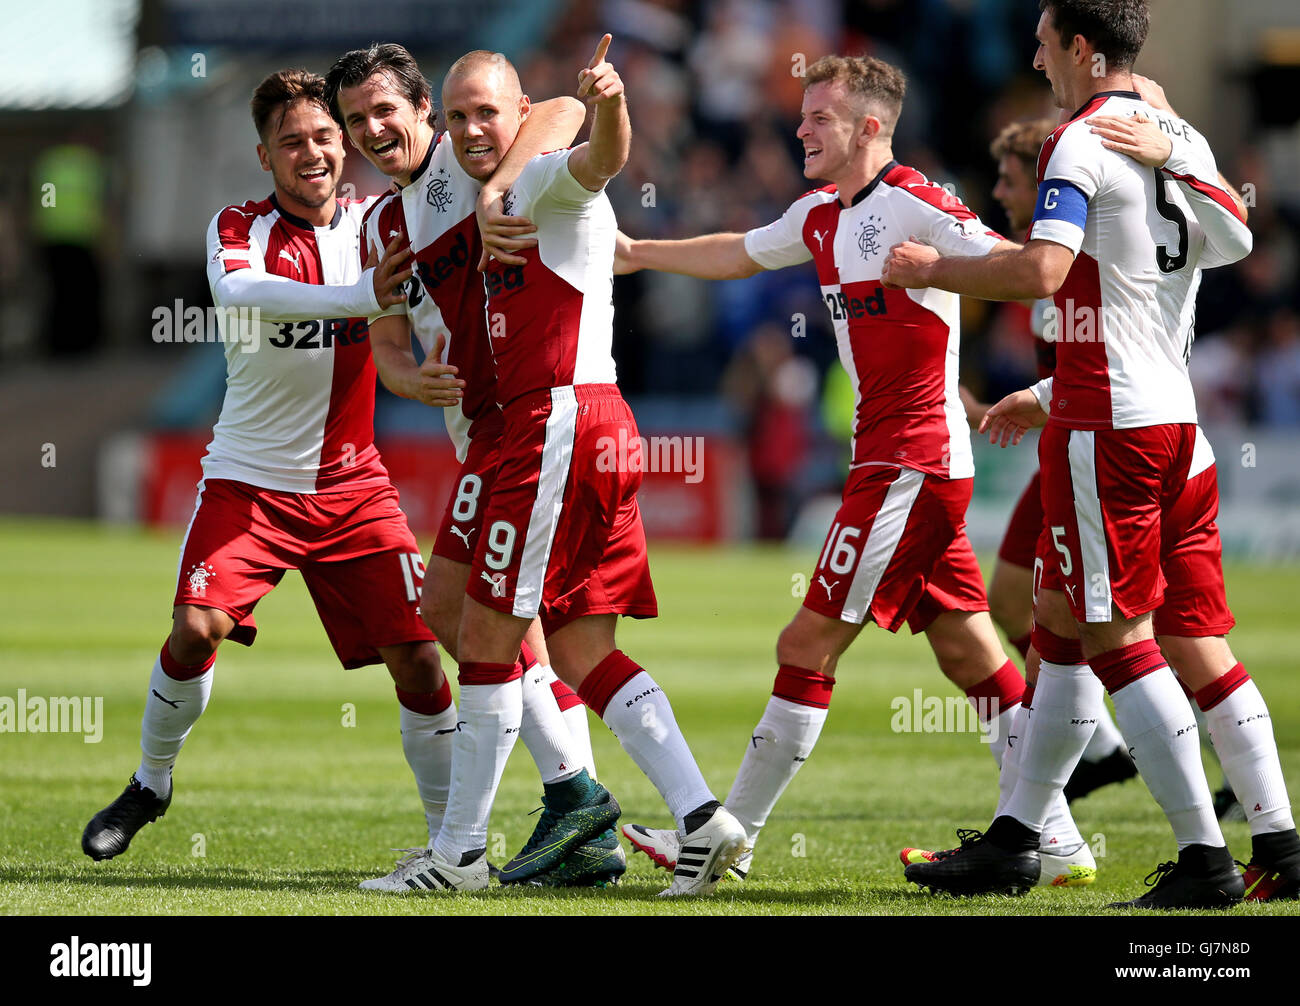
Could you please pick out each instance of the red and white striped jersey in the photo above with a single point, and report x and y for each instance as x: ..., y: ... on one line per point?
x: 900, y: 347
x: 1124, y: 318
x: 551, y: 321
x: 445, y: 297
x: 298, y: 414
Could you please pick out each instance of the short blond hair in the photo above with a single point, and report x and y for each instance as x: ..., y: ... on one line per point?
x: 879, y: 86
x: 480, y: 58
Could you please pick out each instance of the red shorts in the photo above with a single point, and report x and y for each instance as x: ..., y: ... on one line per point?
x: 897, y: 551
x: 1020, y: 543
x: 563, y: 533
x: 1107, y: 496
x: 463, y: 517
x: 1196, y: 603
x: 357, y: 556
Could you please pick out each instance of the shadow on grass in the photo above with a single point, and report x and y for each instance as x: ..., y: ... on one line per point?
x: 342, y: 881
x: 211, y: 878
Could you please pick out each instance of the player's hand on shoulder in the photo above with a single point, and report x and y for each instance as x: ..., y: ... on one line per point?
x: 1008, y: 420
x: 1135, y: 136
x: 436, y: 382
x: 907, y: 265
x: 502, y: 235
x: 391, y: 272
x: 598, y: 81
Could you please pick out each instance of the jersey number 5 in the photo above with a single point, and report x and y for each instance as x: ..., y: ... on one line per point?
x: 1170, y: 262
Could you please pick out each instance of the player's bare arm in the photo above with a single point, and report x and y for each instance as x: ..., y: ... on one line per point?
x: 432, y: 382
x: 602, y: 157
x: 710, y: 256
x: 1007, y: 422
x: 975, y: 409
x: 1008, y: 272
x: 550, y: 125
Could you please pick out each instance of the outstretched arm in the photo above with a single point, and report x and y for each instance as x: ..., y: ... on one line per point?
x: 279, y: 298
x: 1009, y: 272
x: 711, y: 256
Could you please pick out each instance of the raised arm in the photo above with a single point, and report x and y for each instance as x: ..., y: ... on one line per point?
x: 602, y: 157
x: 711, y: 256
x: 550, y: 125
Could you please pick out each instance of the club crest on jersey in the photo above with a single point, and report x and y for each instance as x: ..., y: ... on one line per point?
x: 438, y: 191
x: 199, y: 576
x: 869, y: 236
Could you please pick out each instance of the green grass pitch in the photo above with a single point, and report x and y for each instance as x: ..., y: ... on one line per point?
x: 281, y: 808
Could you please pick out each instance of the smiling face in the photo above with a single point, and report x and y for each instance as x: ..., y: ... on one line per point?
x: 832, y: 131
x: 390, y: 132
x: 304, y: 153
x: 484, y: 110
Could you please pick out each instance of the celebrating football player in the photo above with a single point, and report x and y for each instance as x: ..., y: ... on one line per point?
x: 1120, y: 250
x: 292, y: 479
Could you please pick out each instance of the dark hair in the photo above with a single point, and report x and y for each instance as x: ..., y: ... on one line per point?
x: 1115, y: 28
x: 388, y: 58
x: 281, y: 91
x: 1023, y: 139
x: 873, y: 80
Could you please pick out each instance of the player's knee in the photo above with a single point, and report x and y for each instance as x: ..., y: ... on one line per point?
x: 196, y: 633
x: 416, y: 668
x: 797, y: 646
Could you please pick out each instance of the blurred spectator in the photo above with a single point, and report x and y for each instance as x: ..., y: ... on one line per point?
x: 1278, y: 369
x: 775, y: 391
x: 67, y: 225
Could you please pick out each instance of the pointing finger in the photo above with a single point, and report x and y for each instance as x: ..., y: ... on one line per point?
x: 602, y: 47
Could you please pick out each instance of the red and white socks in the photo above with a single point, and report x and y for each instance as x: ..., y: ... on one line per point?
x: 178, y: 694
x: 780, y: 744
x: 491, y: 707
x: 428, y: 723
x: 1154, y: 718
x: 635, y: 708
x: 1239, y: 726
x: 996, y: 701
x: 575, y: 718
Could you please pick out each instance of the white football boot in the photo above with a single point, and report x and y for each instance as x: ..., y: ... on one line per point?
x: 706, y: 854
x: 1078, y: 869
x: 662, y: 844
x: 423, y: 870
